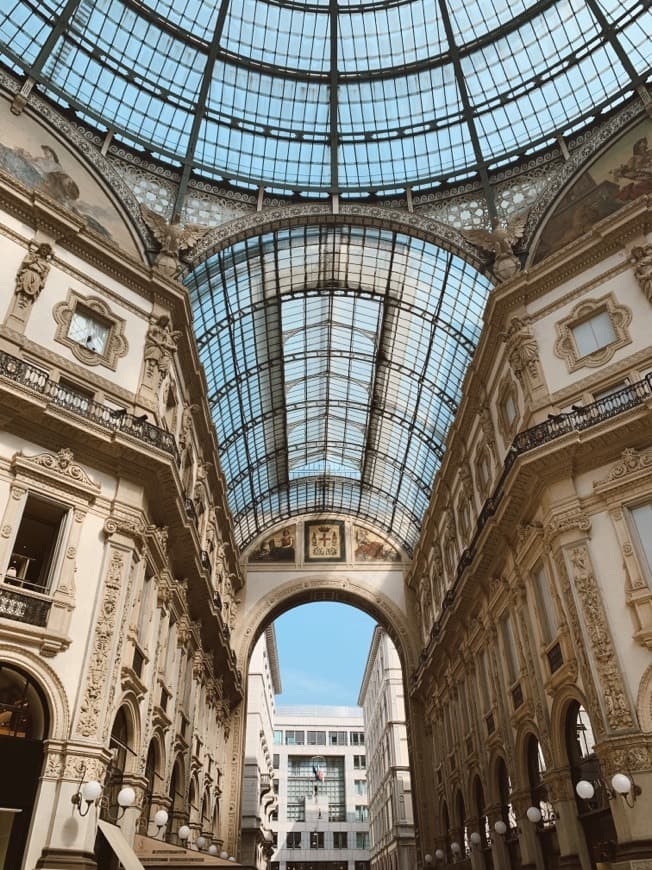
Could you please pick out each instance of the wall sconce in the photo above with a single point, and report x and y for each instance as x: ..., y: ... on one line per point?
x: 160, y: 820
x: 475, y: 839
x: 126, y: 799
x: 200, y: 842
x: 500, y: 828
x: 224, y: 856
x: 456, y: 849
x: 534, y: 815
x: 212, y: 850
x: 621, y: 784
x: 439, y: 854
x: 183, y: 833
x: 86, y: 791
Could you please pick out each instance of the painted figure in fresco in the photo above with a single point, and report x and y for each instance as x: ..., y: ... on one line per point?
x: 638, y: 169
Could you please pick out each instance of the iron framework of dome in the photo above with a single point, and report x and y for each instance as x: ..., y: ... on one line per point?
x: 329, y: 96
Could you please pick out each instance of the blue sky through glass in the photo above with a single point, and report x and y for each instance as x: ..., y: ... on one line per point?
x: 322, y: 650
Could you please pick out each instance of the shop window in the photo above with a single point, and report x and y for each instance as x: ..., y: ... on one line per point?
x: 34, y: 552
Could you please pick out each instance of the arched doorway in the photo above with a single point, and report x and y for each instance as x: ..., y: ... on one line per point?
x: 153, y: 786
x: 177, y: 794
x: 24, y: 725
x: 594, y: 814
x: 483, y: 824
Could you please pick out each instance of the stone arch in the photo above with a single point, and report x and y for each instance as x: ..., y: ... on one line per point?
x: 50, y: 685
x: 562, y: 701
x: 526, y: 730
x: 309, y: 588
x: 396, y: 220
x: 129, y: 703
x: 644, y: 701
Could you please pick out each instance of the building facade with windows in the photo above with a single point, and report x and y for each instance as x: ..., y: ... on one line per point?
x: 391, y: 816
x: 321, y: 782
x: 326, y: 301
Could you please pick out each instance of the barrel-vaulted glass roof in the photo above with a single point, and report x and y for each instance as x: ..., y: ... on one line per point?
x: 334, y: 358
x: 333, y: 95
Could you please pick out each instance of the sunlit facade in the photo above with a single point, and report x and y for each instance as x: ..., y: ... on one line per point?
x: 325, y: 301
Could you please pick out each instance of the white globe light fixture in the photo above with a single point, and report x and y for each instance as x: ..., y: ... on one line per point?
x: 224, y: 856
x: 455, y: 848
x: 91, y: 790
x: 161, y: 819
x: 534, y: 815
x: 585, y: 789
x: 231, y: 858
x: 126, y: 797
x: 621, y: 783
x: 184, y: 832
x: 200, y: 842
x: 427, y: 859
x: 439, y: 854
x: 212, y: 850
x: 500, y: 827
x: 475, y: 838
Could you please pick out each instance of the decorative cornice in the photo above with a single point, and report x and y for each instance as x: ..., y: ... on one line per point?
x: 60, y: 466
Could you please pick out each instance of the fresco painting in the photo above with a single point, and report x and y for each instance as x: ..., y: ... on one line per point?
x: 32, y: 155
x: 620, y: 175
x: 369, y: 547
x: 277, y: 547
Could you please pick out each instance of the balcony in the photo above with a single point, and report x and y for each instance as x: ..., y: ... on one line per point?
x: 24, y: 606
x: 117, y: 419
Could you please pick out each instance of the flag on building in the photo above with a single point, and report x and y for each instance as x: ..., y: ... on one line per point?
x: 319, y: 773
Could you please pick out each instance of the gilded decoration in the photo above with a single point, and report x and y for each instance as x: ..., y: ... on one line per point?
x: 566, y: 348
x: 116, y: 345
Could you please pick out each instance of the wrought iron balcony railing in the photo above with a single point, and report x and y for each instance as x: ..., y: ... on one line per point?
x: 24, y: 607
x: 117, y: 419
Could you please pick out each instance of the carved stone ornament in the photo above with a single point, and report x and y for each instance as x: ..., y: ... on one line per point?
x: 500, y: 241
x: 174, y: 239
x: 60, y: 465
x: 92, y: 703
x: 641, y: 257
x: 32, y: 272
x: 630, y: 462
x: 115, y: 346
x: 522, y: 350
x: 160, y: 346
x: 566, y: 348
x: 595, y: 619
x: 566, y: 522
x: 128, y: 526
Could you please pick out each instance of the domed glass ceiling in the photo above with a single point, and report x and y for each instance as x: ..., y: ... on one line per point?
x: 333, y: 95
x: 334, y: 358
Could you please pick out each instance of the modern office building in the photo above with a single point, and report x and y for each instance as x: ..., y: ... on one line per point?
x: 325, y: 301
x: 321, y: 782
x: 391, y: 817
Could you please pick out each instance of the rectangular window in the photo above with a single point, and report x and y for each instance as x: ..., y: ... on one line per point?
x: 545, y: 606
x: 337, y: 738
x: 276, y: 760
x: 509, y: 647
x: 359, y: 762
x: 88, y: 329
x: 293, y: 840
x: 642, y: 517
x: 278, y: 737
x: 483, y: 681
x: 361, y: 787
x: 356, y: 738
x: 362, y: 814
x: 362, y: 839
x: 316, y: 738
x: 35, y: 547
x: 594, y: 333
x: 316, y: 839
x: 340, y: 840
x: 295, y: 738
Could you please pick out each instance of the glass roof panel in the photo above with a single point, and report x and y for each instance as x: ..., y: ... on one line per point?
x: 336, y: 390
x: 316, y: 97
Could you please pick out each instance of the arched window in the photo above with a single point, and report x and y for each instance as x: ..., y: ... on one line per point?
x: 119, y: 746
x: 177, y: 815
x: 153, y: 778
x: 546, y: 833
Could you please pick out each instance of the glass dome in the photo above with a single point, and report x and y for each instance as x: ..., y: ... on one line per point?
x: 333, y: 95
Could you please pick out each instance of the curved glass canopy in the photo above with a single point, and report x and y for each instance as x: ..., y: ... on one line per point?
x: 333, y: 95
x: 334, y: 358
